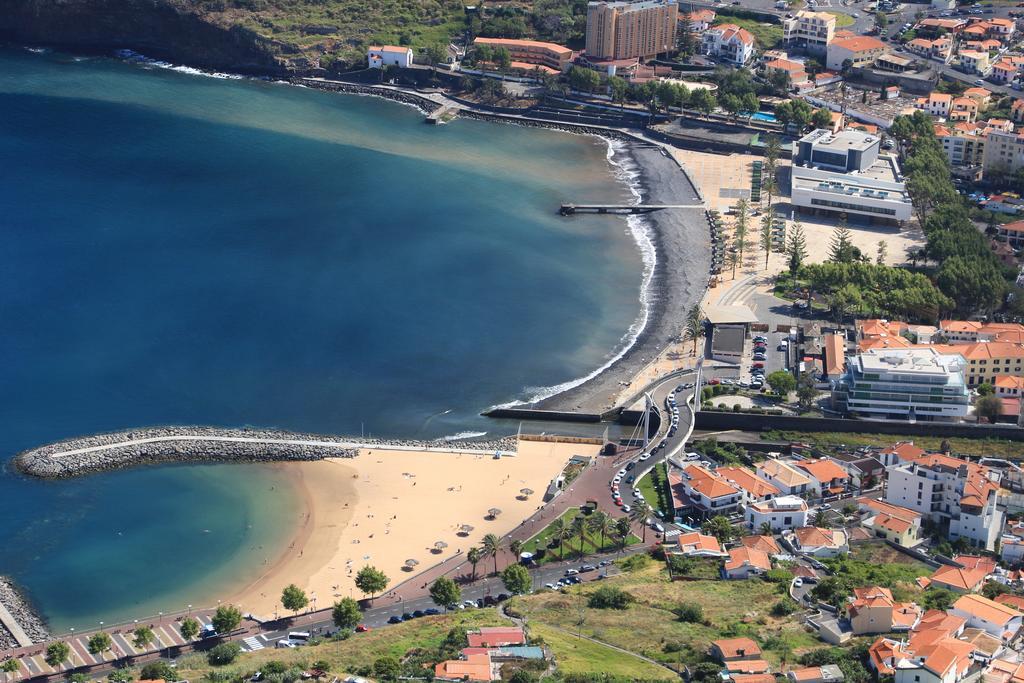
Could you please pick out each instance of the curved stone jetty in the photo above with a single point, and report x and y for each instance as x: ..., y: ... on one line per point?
x: 158, y: 445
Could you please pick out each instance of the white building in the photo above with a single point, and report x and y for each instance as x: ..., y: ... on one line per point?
x: 380, y: 56
x: 729, y: 42
x: 1011, y: 549
x: 953, y: 492
x: 914, y: 385
x: 995, y: 619
x: 844, y: 173
x: 781, y: 512
x: 813, y: 30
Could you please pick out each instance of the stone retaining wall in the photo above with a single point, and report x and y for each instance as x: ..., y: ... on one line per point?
x: 46, y: 462
x: 23, y: 613
x: 405, y: 97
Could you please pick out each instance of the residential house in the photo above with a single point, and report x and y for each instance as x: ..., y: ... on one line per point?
x: 728, y: 42
x: 873, y: 610
x: 1013, y: 232
x: 950, y: 491
x: 764, y: 543
x: 965, y: 331
x: 780, y: 513
x: 829, y: 673
x: 937, y: 104
x: 1012, y: 387
x: 709, y: 492
x: 496, y: 636
x: 752, y: 489
x: 883, y: 655
x: 958, y: 579
x: 834, y: 355
x: 380, y: 56
x: 1017, y: 111
x: 891, y: 522
x: 946, y: 661
x: 747, y: 667
x: 785, y: 477
x: 1001, y: 621
x: 795, y: 71
x: 735, y: 649
x: 696, y: 544
x: 819, y: 542
x: 963, y: 109
x: 474, y: 667
x: 1004, y: 71
x: 744, y: 562
x: 974, y: 62
x: 935, y: 26
x: 899, y: 453
x: 700, y: 19
x: 854, y: 52
x: 827, y: 478
x: 1011, y: 600
x: 864, y: 469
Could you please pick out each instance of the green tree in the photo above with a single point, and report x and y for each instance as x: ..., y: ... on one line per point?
x: 832, y: 590
x: 985, y: 389
x: 445, y: 593
x: 686, y: 39
x: 623, y: 527
x: 560, y: 532
x: 822, y: 118
x: 610, y: 597
x: 522, y: 676
x: 226, y: 619
x: 222, y: 654
x: 782, y: 382
x: 516, y: 579
x: 143, y: 637
x: 617, y: 88
x: 189, y: 628
x: 841, y: 249
x: 370, y: 581
x: 939, y: 598
x: 579, y: 530
x: 158, y: 671
x: 974, y: 284
x: 806, y: 393
x: 741, y: 209
x: 689, y: 612
x: 719, y: 527
x: 600, y: 524
x: 767, y: 221
x: 57, y: 653
x: 346, y: 614
x: 492, y: 548
x: 10, y: 666
x: 474, y: 555
x: 387, y: 668
x: 882, y: 253
x: 796, y: 247
x: 99, y: 643
x: 988, y: 407
x: 703, y: 100
x: 694, y: 330
x: 732, y: 258
x: 293, y: 598
x: 121, y: 676
x: 881, y: 21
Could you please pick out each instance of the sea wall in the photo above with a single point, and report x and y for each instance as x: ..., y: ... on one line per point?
x: 162, y: 445
x: 424, y: 104
x: 26, y: 617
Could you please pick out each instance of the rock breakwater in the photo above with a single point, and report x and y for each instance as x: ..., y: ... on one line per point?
x: 22, y: 613
x: 120, y: 450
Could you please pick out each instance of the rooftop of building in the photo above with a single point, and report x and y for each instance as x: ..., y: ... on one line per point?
x: 913, y: 360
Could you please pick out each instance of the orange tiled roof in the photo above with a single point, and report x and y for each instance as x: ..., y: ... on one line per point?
x: 512, y: 42
x: 753, y: 678
x: 1014, y: 601
x: 737, y: 647
x: 823, y: 470
x: 496, y: 636
x: 988, y: 610
x: 476, y: 667
x: 883, y: 651
x: 744, y: 556
x: 955, y: 577
x: 764, y: 543
x: 986, y: 564
x: 788, y: 475
x: 860, y: 43
x: 747, y: 480
x: 748, y: 666
x: 709, y: 483
x: 696, y: 541
x: 812, y: 536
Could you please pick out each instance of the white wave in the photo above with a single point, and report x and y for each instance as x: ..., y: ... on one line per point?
x: 149, y: 62
x: 38, y: 50
x: 462, y: 436
x: 626, y: 170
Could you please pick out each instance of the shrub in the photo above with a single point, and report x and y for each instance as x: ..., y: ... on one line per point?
x: 610, y: 597
x: 736, y: 408
x: 778, y: 576
x: 225, y: 653
x: 634, y: 563
x: 784, y: 607
x: 156, y: 671
x: 690, y: 613
x: 274, y: 667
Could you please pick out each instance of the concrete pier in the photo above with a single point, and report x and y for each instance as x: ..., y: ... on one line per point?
x: 570, y: 209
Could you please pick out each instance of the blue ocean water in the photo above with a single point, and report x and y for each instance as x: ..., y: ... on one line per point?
x: 180, y: 249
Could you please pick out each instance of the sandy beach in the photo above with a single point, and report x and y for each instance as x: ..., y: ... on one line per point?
x: 682, y: 242
x: 384, y: 507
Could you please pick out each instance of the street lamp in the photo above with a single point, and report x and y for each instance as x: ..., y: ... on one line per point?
x: 190, y: 610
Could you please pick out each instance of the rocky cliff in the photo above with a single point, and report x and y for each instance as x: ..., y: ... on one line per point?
x: 175, y: 30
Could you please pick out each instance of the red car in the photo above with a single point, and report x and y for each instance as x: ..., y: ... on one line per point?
x: 362, y: 628
x: 715, y: 381
x: 758, y: 364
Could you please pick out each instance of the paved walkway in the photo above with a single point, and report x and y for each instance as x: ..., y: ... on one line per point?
x: 12, y: 625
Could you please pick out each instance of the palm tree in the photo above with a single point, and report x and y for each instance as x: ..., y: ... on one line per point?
x: 560, y: 531
x: 515, y: 547
x: 639, y: 515
x: 766, y: 529
x: 600, y: 523
x: 821, y: 519
x: 474, y: 556
x: 579, y: 528
x: 492, y: 546
x: 622, y: 529
x: 693, y: 331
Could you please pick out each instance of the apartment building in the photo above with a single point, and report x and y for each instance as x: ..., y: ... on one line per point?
x: 995, y: 619
x: 728, y: 42
x: 627, y: 30
x: 1004, y: 151
x: 974, y: 62
x: 873, y: 610
x: 987, y: 361
x: 963, y: 144
x: 1006, y: 70
x: 950, y: 491
x: 855, y: 51
x: 535, y: 52
x: 812, y: 30
x: 918, y: 384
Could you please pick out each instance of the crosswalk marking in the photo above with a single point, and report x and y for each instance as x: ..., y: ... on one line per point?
x: 253, y: 643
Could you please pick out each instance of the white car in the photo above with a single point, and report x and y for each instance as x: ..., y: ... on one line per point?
x: 621, y: 472
x: 797, y: 583
x: 626, y: 508
x: 617, y: 479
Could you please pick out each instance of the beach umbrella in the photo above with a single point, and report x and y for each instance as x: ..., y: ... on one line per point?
x: 440, y: 545
x: 466, y: 528
x: 526, y: 492
x: 411, y: 563
x: 494, y: 512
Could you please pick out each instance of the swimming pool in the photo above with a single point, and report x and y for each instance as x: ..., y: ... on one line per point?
x: 764, y: 116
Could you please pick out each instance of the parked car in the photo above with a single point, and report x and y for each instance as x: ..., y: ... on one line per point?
x: 395, y: 619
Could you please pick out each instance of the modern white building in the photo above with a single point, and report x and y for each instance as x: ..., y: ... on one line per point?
x: 729, y: 42
x: 380, y: 56
x: 953, y: 492
x: 995, y: 619
x: 843, y: 173
x: 914, y: 385
x: 813, y: 30
x: 781, y: 512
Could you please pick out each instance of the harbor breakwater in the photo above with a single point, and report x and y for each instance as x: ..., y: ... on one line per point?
x: 169, y: 445
x: 25, y: 618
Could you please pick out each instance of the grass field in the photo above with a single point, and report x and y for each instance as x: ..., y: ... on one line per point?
x: 654, y: 487
x: 842, y: 20
x: 579, y: 656
x: 766, y: 35
x: 881, y: 553
x: 650, y: 627
x: 571, y: 546
x: 991, y: 447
